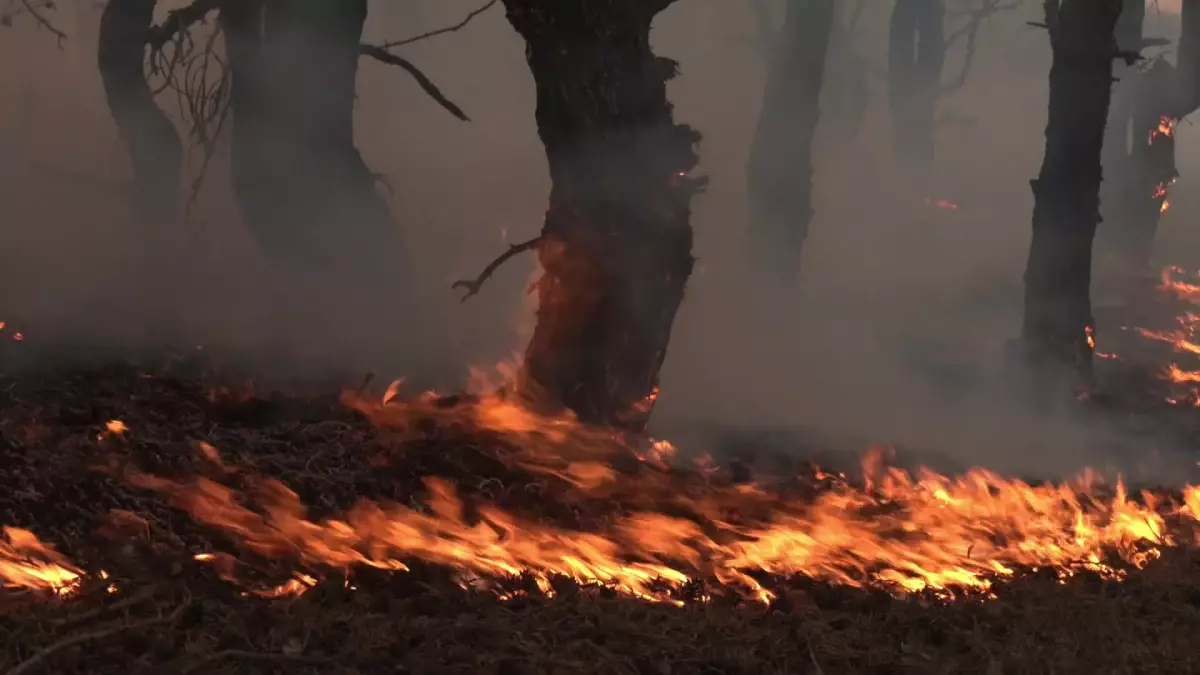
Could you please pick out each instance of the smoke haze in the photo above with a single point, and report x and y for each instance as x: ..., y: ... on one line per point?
x: 897, y: 333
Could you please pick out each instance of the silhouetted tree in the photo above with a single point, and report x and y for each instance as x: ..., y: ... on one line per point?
x: 916, y: 54
x: 1058, y: 326
x: 149, y: 136
x: 616, y: 245
x: 1140, y: 150
x: 918, y: 43
x: 303, y: 187
x: 779, y: 173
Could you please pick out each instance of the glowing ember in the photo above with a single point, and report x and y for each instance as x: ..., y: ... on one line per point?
x: 115, y: 427
x: 1165, y: 128
x: 943, y: 204
x: 25, y: 562
x: 1176, y: 374
x: 1165, y: 205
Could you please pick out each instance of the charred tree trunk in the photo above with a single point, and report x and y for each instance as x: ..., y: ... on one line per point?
x: 616, y: 248
x: 779, y: 173
x: 916, y: 54
x: 1144, y: 166
x: 305, y: 192
x: 145, y: 130
x: 1058, y: 324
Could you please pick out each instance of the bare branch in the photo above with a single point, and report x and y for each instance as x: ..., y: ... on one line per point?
x: 442, y: 31
x: 473, y: 286
x: 180, y: 20
x: 971, y: 31
x: 35, y: 9
x: 380, y: 54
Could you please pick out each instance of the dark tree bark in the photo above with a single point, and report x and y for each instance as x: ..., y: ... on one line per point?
x: 616, y: 250
x: 779, y: 173
x: 916, y: 54
x: 1141, y: 159
x: 304, y: 190
x: 1058, y: 324
x: 145, y: 130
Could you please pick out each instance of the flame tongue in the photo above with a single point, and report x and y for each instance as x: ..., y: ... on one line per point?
x: 25, y: 562
x: 912, y: 532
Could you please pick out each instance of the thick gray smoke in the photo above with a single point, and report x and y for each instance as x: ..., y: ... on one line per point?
x: 896, y: 335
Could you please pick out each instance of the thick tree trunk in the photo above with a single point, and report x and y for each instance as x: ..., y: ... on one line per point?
x: 1058, y: 323
x: 146, y: 132
x: 779, y: 173
x: 916, y: 54
x: 616, y: 251
x: 305, y: 192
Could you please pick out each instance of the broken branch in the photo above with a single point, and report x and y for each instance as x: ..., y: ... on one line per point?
x: 441, y: 31
x: 383, y: 55
x: 473, y: 286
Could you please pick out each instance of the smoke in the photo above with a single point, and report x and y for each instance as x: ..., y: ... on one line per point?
x: 897, y: 333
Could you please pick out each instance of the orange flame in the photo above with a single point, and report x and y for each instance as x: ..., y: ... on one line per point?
x: 25, y: 562
x: 1165, y: 128
x: 908, y: 532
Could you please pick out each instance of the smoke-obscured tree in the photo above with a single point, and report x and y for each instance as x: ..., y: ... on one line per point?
x: 918, y: 43
x: 304, y: 190
x: 916, y: 54
x: 1140, y: 147
x: 1057, y: 328
x: 779, y: 171
x: 616, y: 244
x: 147, y: 133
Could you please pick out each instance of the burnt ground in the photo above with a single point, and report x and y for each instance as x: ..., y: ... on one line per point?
x: 171, y: 614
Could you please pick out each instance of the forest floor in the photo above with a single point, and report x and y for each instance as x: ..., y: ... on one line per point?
x: 142, y: 479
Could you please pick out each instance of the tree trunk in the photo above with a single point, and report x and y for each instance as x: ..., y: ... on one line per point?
x: 1113, y: 235
x: 616, y: 251
x: 304, y: 190
x: 779, y: 173
x: 916, y: 54
x: 1058, y: 325
x: 1153, y: 102
x: 145, y: 130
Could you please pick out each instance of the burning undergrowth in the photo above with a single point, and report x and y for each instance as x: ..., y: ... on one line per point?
x: 158, y: 521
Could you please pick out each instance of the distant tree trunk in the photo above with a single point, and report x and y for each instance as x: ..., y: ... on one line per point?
x: 616, y: 251
x: 1144, y: 169
x: 779, y: 173
x: 1113, y: 235
x: 916, y: 54
x: 1058, y: 324
x: 145, y: 130
x: 304, y: 190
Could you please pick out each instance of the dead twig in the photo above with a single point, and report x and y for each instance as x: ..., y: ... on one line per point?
x: 384, y: 56
x: 442, y: 31
x: 43, y: 21
x: 473, y: 286
x: 31, y: 663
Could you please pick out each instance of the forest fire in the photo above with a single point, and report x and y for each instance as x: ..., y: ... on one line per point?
x: 905, y: 532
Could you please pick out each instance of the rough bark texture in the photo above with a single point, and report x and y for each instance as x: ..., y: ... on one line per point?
x: 146, y: 132
x: 916, y: 54
x: 304, y: 190
x: 617, y: 240
x: 1058, y: 312
x: 779, y: 173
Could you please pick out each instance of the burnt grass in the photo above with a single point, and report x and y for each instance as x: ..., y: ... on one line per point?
x: 171, y: 614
